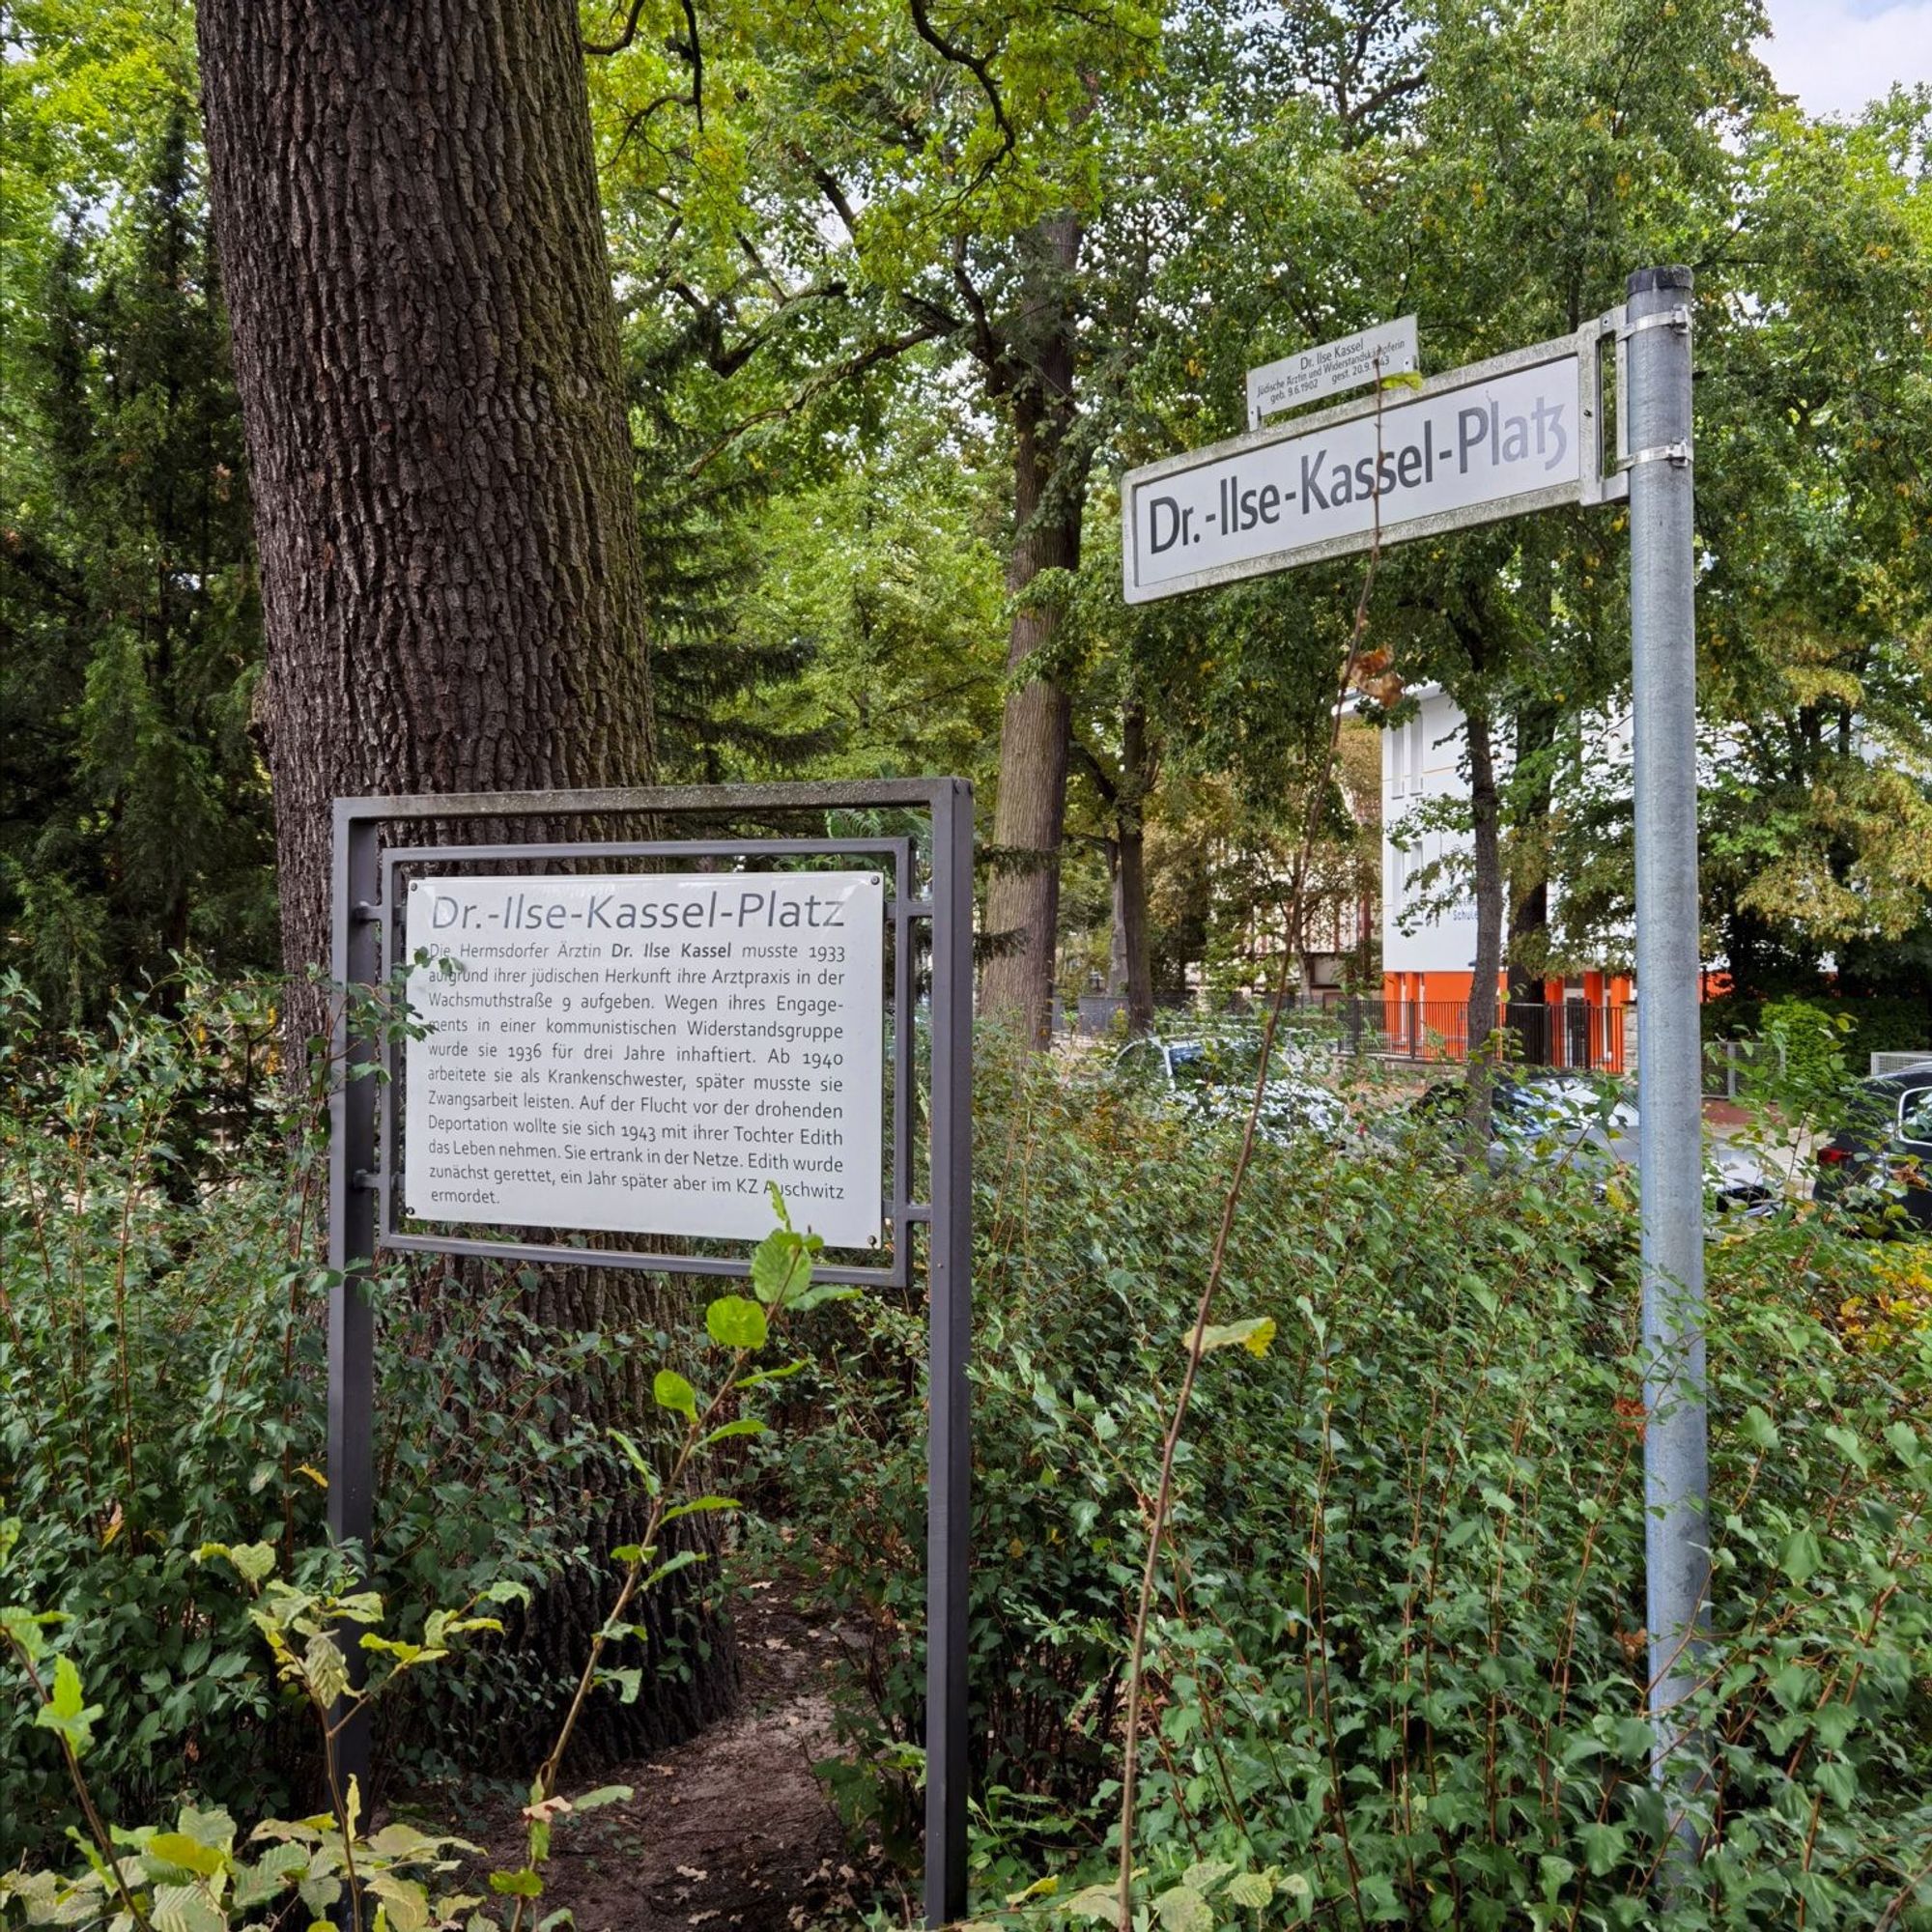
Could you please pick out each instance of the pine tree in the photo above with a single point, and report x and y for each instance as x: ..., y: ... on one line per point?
x: 133, y: 808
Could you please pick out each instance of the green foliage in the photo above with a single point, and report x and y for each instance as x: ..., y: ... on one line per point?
x: 1398, y: 1658
x: 327, y: 1645
x: 134, y: 810
x: 161, y: 1383
x: 1863, y: 1026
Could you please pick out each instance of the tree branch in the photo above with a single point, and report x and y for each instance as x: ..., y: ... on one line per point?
x: 623, y: 39
x: 976, y: 67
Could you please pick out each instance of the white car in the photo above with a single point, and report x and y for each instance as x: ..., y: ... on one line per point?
x: 1213, y: 1079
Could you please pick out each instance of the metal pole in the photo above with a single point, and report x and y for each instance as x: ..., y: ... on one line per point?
x: 1669, y: 1050
x: 354, y: 961
x: 949, y: 1520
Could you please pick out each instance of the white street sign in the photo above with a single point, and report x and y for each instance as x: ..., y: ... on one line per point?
x: 644, y: 1053
x: 1354, y: 361
x: 1494, y: 440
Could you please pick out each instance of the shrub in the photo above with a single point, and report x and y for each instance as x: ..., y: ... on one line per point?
x: 1398, y: 1666
x: 161, y: 1384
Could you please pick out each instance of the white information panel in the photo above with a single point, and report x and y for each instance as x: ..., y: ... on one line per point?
x: 1471, y: 448
x: 644, y: 1053
x: 1350, y: 363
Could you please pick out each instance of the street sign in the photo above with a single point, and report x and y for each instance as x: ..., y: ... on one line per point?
x: 1351, y: 363
x: 1493, y: 440
x: 646, y: 1053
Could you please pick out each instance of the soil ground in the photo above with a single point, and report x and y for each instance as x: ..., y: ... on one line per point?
x: 729, y: 1832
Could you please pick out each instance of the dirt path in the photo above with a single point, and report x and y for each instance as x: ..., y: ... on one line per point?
x: 731, y: 1832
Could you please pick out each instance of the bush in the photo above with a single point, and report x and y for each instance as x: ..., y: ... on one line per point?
x: 162, y: 1386
x: 1881, y: 1023
x: 1398, y: 1664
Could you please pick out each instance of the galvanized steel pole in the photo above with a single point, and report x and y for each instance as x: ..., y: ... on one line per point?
x: 1669, y: 1047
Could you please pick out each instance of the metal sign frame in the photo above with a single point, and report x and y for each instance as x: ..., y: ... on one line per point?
x: 368, y: 896
x: 1594, y: 483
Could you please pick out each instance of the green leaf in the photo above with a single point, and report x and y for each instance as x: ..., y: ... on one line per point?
x: 736, y: 1322
x: 318, y: 1895
x: 1758, y: 1429
x: 1603, y: 1846
x: 779, y: 1266
x: 1800, y: 1557
x: 1184, y: 1910
x: 627, y: 1682
x: 66, y: 1713
x: 1094, y: 1902
x: 407, y: 1900
x: 1254, y: 1334
x: 1249, y: 1889
x: 701, y: 1506
x: 745, y: 1425
x: 605, y: 1794
x: 185, y: 1908
x: 762, y: 1376
x: 405, y: 1841
x: 524, y: 1883
x: 683, y: 1561
x: 325, y: 1667
x: 254, y: 1562
x: 638, y: 1461
x: 675, y: 1393
x: 177, y: 1849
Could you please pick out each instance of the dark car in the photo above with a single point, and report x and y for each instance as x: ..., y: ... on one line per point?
x: 1879, y: 1164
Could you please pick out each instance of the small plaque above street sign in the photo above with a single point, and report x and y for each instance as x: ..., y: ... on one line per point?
x: 1351, y: 363
x: 648, y: 1053
x: 1494, y: 440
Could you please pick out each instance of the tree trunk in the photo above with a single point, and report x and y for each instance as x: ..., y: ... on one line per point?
x: 1049, y: 498
x: 1130, y: 895
x: 1484, y: 814
x: 1529, y: 917
x: 426, y: 348
x: 406, y: 209
x: 1117, y: 943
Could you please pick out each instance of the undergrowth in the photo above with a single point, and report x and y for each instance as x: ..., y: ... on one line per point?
x: 1397, y: 1672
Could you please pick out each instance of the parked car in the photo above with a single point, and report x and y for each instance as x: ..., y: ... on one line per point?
x: 1213, y: 1079
x: 1576, y: 1119
x: 1879, y: 1163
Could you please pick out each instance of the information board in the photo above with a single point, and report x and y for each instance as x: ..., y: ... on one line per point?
x: 644, y: 1053
x: 1351, y: 363
x: 1487, y: 442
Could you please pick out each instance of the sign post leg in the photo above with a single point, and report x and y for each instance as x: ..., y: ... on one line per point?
x: 1669, y: 1046
x: 354, y: 961
x: 949, y: 1470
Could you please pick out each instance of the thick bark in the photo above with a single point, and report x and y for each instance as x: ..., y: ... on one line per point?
x: 1035, y: 369
x: 1485, y: 815
x: 1528, y: 1015
x: 426, y: 348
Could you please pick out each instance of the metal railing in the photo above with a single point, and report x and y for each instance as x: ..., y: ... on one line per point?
x: 1573, y: 1035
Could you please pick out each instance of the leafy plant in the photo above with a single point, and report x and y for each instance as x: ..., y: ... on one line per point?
x: 1396, y: 1661
x: 194, y: 1878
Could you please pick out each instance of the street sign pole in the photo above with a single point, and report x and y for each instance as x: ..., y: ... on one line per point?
x: 1656, y: 338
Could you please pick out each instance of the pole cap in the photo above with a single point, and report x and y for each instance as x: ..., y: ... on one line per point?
x: 1645, y: 280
